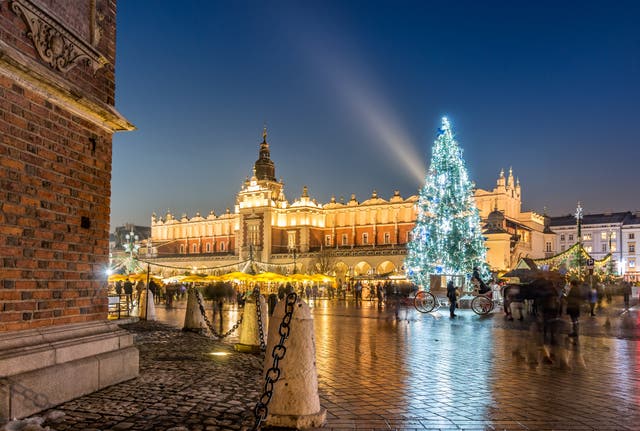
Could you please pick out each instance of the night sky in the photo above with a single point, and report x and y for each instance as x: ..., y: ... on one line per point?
x: 352, y: 94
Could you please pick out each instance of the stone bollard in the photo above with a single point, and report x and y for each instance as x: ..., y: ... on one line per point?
x: 295, y: 402
x: 147, y: 309
x: 249, y: 329
x: 193, y: 320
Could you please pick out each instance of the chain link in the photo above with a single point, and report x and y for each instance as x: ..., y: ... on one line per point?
x: 273, y: 374
x: 208, y: 322
x: 256, y: 294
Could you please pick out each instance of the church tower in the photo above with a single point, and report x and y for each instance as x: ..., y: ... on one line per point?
x: 265, y: 168
x: 257, y: 202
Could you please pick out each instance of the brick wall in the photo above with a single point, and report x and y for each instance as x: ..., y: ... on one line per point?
x: 55, y: 181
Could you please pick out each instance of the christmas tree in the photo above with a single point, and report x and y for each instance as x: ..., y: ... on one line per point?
x: 447, y: 238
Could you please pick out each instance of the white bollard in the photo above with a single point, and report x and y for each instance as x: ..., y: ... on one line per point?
x: 249, y: 341
x: 193, y: 320
x: 295, y: 402
x: 147, y: 307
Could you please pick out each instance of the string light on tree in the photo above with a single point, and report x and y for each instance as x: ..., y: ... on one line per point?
x: 447, y: 237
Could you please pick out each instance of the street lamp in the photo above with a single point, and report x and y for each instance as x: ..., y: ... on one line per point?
x: 578, y: 217
x: 131, y: 247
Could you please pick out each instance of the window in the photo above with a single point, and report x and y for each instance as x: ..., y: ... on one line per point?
x: 570, y: 237
x: 588, y: 248
x: 181, y: 248
x: 632, y: 236
x: 586, y: 237
x: 603, y: 235
x: 291, y: 240
x: 387, y: 238
x: 613, y: 235
x: 562, y: 237
x: 194, y: 249
x: 327, y: 240
x: 603, y: 248
x: 208, y: 248
x: 563, y: 247
x: 613, y: 247
x: 365, y: 238
x: 632, y: 247
x: 632, y: 262
x: 344, y: 239
x: 548, y: 246
x: 408, y: 236
x: 253, y: 234
x: 222, y: 246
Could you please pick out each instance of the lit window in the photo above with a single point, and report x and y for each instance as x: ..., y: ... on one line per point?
x: 586, y: 237
x: 387, y: 238
x: 632, y: 247
x: 632, y: 263
x: 613, y: 235
x: 613, y: 247
x: 563, y: 247
x: 291, y: 240
x: 548, y: 245
x: 588, y: 248
x: 562, y: 237
x: 365, y: 238
x: 603, y: 235
x: 344, y: 239
x: 253, y: 234
x: 327, y: 240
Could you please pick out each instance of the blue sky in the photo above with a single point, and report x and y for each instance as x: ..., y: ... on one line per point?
x: 352, y: 93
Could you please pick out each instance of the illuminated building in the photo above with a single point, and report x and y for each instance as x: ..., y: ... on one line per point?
x: 346, y: 238
x: 616, y: 233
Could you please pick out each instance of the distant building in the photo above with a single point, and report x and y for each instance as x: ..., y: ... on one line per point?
x: 616, y: 233
x: 348, y: 239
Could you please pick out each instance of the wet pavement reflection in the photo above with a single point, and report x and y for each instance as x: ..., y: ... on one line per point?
x: 388, y: 368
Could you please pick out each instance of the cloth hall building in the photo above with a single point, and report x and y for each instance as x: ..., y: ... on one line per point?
x: 345, y: 239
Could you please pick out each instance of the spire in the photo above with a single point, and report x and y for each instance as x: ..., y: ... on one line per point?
x: 264, y: 166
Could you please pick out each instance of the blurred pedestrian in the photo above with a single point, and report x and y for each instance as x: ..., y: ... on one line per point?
x: 626, y: 293
x: 128, y: 291
x: 119, y: 287
x: 282, y: 292
x: 593, y: 299
x: 272, y: 301
x: 574, y: 301
x: 452, y: 295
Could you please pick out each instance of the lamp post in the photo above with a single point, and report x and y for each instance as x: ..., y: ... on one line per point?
x: 131, y: 247
x: 578, y: 217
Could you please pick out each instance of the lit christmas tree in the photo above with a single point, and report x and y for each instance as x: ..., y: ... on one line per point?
x: 447, y: 238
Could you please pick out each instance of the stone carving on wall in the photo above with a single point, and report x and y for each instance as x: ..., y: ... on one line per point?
x: 55, y: 44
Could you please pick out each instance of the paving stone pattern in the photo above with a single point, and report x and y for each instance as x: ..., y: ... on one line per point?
x: 378, y: 369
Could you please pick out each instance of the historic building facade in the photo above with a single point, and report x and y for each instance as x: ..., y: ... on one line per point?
x: 616, y: 233
x: 57, y: 118
x: 347, y: 239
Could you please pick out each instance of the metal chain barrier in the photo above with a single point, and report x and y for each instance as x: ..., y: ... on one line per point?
x: 256, y: 293
x: 273, y: 374
x: 210, y: 325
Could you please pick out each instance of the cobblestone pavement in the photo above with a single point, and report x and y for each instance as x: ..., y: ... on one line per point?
x: 378, y: 369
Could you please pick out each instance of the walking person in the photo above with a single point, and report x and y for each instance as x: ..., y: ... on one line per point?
x: 593, y: 299
x: 452, y: 295
x: 626, y: 293
x: 128, y: 291
x: 574, y: 301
